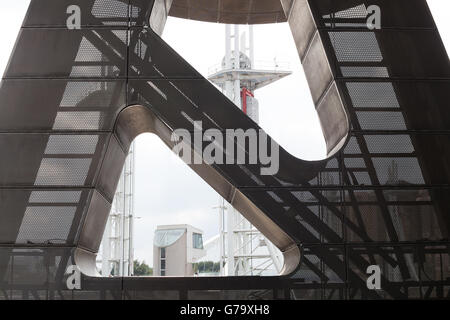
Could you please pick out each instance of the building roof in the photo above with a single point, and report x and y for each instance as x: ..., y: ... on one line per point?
x: 229, y: 11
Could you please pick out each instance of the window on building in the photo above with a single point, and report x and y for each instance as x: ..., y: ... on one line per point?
x: 162, y: 259
x: 197, y: 241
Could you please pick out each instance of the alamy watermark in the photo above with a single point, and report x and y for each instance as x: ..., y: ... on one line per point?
x: 74, y: 19
x: 234, y: 146
x: 374, y: 280
x: 73, y: 281
x: 373, y: 17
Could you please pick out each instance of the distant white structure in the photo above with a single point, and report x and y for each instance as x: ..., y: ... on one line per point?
x: 116, y: 254
x: 243, y: 249
x: 175, y: 250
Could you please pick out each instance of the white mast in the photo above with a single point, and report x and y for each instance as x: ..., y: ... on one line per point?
x: 248, y: 252
x: 117, y: 243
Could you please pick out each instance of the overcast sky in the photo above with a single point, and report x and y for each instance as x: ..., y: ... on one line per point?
x: 167, y: 191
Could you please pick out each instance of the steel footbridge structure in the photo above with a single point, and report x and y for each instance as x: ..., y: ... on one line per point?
x: 73, y: 100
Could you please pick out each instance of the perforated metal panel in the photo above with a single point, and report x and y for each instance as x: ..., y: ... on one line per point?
x: 46, y: 225
x: 356, y: 46
x: 55, y: 196
x: 372, y: 95
x: 60, y: 172
x: 389, y: 144
x: 71, y: 144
